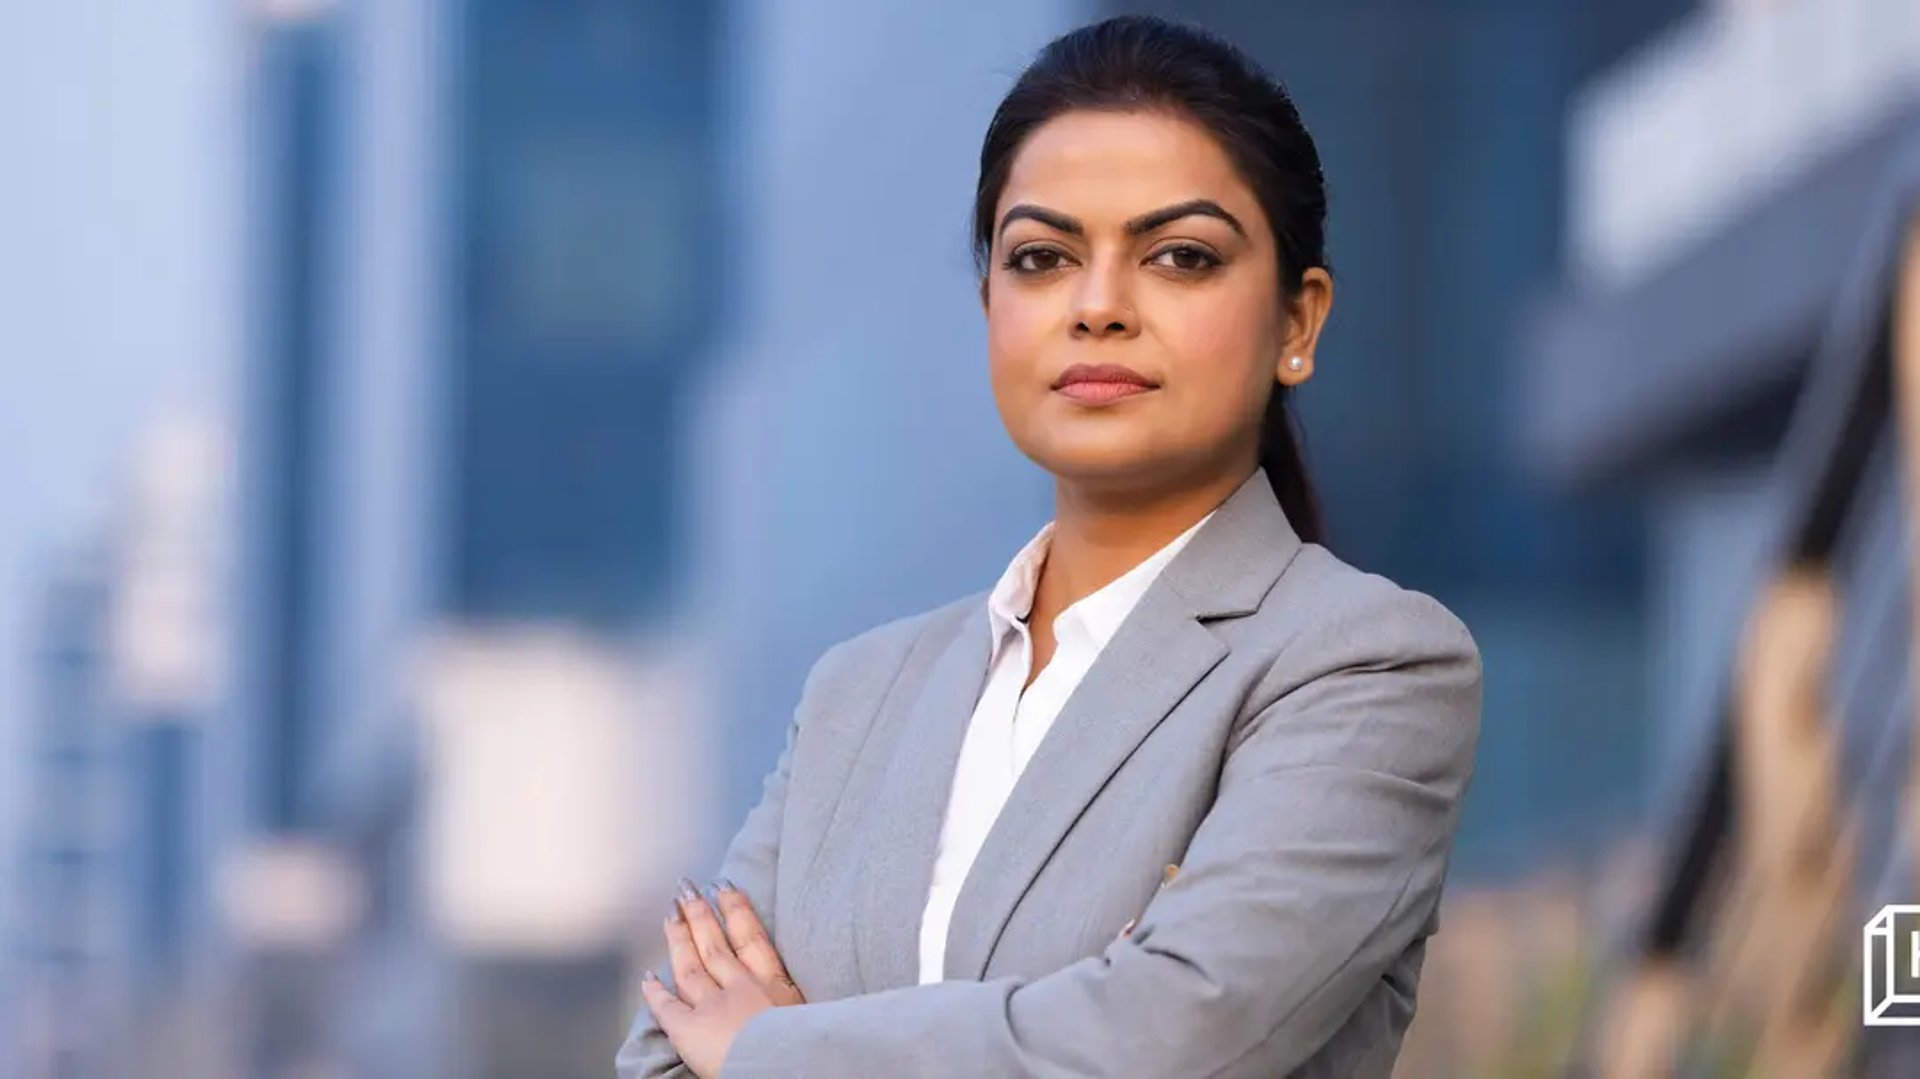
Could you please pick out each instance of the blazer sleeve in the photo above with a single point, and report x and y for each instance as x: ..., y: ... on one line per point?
x: 750, y: 862
x: 1318, y: 864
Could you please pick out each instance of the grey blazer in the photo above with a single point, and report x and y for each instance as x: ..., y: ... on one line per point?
x: 1295, y: 734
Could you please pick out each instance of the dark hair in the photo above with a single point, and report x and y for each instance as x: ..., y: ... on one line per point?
x: 1143, y: 62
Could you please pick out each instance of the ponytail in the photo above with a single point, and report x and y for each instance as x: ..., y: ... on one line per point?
x: 1286, y: 468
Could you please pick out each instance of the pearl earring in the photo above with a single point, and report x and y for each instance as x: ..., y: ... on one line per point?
x: 1295, y: 363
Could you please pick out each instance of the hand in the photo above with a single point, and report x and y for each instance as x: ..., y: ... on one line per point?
x: 1166, y: 878
x: 724, y: 974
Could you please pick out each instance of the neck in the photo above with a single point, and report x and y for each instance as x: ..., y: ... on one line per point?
x: 1099, y: 534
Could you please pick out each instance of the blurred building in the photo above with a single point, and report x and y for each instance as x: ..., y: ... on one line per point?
x: 167, y: 621
x: 112, y: 853
x: 1742, y: 254
x: 65, y: 949
x: 479, y: 233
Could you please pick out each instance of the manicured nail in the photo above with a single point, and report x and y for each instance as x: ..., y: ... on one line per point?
x: 649, y: 976
x: 725, y: 885
x: 688, y: 892
x: 674, y: 917
x: 1128, y: 928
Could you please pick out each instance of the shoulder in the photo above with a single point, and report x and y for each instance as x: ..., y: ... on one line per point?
x: 1331, y: 633
x: 881, y: 652
x: 1363, y: 672
x: 1326, y: 605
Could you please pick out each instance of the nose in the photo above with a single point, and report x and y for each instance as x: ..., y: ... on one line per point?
x: 1102, y: 306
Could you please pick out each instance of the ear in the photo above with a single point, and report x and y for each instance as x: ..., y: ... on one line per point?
x: 1306, y: 317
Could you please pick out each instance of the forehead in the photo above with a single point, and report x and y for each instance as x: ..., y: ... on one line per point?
x: 1101, y: 165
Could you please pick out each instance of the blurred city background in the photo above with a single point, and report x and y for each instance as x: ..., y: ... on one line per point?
x: 437, y: 436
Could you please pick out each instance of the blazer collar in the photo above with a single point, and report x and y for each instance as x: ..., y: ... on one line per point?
x: 1158, y: 654
x: 1095, y: 617
x: 1233, y: 561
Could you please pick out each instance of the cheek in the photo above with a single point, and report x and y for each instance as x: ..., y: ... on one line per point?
x: 1018, y: 328
x: 1222, y: 344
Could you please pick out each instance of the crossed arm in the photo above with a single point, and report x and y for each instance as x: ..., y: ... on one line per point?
x: 1319, y: 863
x: 749, y: 864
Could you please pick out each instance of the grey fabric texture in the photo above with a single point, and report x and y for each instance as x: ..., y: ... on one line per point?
x: 1294, y: 734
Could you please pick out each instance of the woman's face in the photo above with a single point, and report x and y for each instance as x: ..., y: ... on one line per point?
x: 1129, y: 238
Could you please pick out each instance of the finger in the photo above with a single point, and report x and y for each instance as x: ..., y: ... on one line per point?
x: 709, y: 937
x: 749, y: 939
x: 689, y: 971
x: 667, y: 1008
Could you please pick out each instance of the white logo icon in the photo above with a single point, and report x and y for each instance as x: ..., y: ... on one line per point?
x: 1890, y: 967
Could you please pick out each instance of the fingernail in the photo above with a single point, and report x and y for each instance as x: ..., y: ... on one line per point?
x: 688, y: 892
x: 649, y: 976
x: 724, y: 884
x: 674, y: 917
x: 1128, y: 928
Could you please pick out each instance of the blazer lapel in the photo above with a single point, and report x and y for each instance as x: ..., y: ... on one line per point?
x: 1155, y: 658
x: 909, y: 808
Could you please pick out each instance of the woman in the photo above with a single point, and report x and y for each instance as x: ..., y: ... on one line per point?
x: 1176, y: 716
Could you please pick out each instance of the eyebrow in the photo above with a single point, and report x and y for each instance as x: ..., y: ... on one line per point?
x: 1146, y: 222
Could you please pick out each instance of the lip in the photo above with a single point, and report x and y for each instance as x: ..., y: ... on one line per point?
x: 1101, y: 382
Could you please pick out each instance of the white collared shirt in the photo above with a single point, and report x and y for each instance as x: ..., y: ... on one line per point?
x: 1007, y: 724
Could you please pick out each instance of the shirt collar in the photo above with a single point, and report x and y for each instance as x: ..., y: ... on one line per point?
x: 1096, y: 617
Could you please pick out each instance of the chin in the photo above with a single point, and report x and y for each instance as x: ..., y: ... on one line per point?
x: 1100, y: 467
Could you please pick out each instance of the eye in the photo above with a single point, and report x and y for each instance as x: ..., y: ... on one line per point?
x: 1186, y: 258
x: 1035, y: 259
